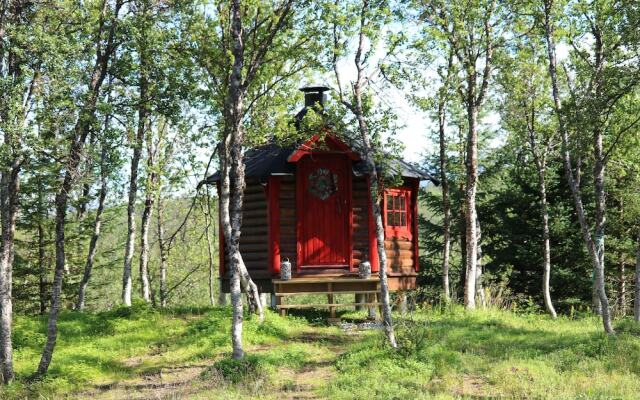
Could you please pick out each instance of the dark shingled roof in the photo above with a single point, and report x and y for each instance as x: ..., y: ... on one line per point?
x: 271, y: 159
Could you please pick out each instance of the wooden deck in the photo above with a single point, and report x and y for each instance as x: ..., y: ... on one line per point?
x: 285, y: 291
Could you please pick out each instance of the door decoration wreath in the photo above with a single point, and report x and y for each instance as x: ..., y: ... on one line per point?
x: 323, y: 183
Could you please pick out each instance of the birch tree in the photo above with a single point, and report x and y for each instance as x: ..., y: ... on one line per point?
x: 527, y: 112
x: 105, y: 47
x: 105, y: 167
x: 441, y: 104
x: 470, y: 30
x: 18, y: 78
x: 369, y: 19
x: 605, y: 72
x: 443, y: 99
x: 245, y: 65
x: 151, y: 187
x: 248, y: 49
x: 143, y: 9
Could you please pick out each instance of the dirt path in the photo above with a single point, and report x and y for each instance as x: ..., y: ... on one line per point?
x: 195, y: 381
x: 305, y: 383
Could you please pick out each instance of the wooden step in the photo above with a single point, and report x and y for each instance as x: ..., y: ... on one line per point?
x: 308, y: 293
x: 325, y: 305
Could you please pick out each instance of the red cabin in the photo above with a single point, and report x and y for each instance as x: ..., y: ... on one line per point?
x: 309, y: 203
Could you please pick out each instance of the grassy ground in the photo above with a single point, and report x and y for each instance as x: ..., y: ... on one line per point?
x: 184, y: 353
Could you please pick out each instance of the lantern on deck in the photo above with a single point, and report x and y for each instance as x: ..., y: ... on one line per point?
x: 285, y: 269
x: 364, y: 270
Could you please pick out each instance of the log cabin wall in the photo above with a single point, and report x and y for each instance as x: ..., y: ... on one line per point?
x: 360, y: 208
x: 399, y: 255
x: 401, y: 251
x: 253, y: 242
x: 288, y: 246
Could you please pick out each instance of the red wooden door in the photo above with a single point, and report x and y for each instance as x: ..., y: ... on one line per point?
x: 324, y: 210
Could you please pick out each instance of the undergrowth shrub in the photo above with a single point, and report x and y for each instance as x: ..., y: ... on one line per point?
x: 139, y: 309
x: 628, y: 326
x: 412, y: 337
x: 236, y: 371
x: 24, y: 338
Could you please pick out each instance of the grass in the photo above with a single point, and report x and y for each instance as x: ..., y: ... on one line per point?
x: 444, y: 354
x: 452, y: 353
x: 98, y: 350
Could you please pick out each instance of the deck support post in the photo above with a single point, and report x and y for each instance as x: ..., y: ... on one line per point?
x: 371, y: 298
x: 264, y: 299
x: 360, y: 298
x: 332, y: 310
x: 222, y: 296
x: 402, y: 302
x: 279, y: 302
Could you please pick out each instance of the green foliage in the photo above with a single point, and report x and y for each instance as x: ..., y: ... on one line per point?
x: 236, y: 371
x: 106, y: 347
x: 491, y: 354
x: 445, y: 352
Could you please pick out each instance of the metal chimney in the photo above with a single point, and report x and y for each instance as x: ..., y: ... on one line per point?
x: 314, y: 95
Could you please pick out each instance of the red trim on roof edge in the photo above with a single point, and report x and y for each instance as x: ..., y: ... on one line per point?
x: 332, y: 141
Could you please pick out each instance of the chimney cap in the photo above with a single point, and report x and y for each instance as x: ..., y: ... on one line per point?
x: 315, y: 89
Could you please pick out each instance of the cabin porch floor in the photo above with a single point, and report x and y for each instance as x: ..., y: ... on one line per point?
x: 286, y: 290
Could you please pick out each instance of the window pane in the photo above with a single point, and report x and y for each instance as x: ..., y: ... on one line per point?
x: 389, y: 202
x: 402, y: 207
x: 403, y: 219
x: 397, y: 207
x: 390, y: 218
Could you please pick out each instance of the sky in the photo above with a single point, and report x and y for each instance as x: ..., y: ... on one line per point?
x: 417, y: 124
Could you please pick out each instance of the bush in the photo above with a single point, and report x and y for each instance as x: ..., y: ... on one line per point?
x: 139, y: 309
x: 236, y: 371
x: 411, y: 336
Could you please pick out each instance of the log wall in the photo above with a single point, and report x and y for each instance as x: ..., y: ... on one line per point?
x: 253, y: 240
x: 288, y: 247
x: 399, y: 255
x: 360, y: 208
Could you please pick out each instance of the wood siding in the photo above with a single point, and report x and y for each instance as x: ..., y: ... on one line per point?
x: 360, y: 209
x: 253, y: 240
x: 399, y: 255
x: 288, y: 247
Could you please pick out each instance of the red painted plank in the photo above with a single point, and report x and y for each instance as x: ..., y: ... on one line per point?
x: 373, y: 241
x: 324, y: 210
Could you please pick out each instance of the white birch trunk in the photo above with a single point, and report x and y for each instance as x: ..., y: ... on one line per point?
x: 595, y: 248
x: 479, y: 286
x: 81, y: 131
x: 9, y: 188
x: 145, y: 287
x: 369, y: 157
x: 97, y: 225
x: 444, y: 181
x: 540, y: 162
x: 163, y: 252
x: 546, y: 247
x: 233, y: 184
x: 152, y: 181
x: 471, y: 216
